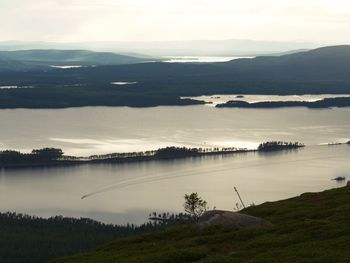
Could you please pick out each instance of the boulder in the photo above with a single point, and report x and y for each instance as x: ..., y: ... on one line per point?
x: 232, y: 219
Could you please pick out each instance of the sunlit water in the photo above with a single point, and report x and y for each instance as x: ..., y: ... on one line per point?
x: 15, y: 87
x: 134, y: 190
x: 217, y: 99
x: 86, y: 131
x: 67, y: 67
x: 123, y: 83
x: 199, y: 59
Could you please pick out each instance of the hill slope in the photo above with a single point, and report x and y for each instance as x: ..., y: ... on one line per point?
x: 319, y: 71
x: 30, y: 239
x: 322, y: 64
x: 227, y: 47
x: 34, y: 59
x: 313, y: 227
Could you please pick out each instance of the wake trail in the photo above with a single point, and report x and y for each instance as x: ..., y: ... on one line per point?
x: 191, y: 172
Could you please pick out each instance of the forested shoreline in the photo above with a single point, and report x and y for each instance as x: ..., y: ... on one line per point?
x: 324, y: 103
x: 25, y: 238
x: 318, y: 71
x: 55, y: 157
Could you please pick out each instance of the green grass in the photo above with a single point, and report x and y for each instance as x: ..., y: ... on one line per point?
x: 314, y: 227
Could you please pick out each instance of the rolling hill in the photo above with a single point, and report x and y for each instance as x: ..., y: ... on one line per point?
x: 312, y: 227
x: 38, y: 59
x: 319, y: 71
x: 322, y: 64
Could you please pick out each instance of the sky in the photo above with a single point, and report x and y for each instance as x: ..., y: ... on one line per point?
x: 326, y: 21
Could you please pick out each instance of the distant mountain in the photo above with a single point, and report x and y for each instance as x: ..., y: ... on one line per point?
x: 228, y: 47
x: 289, y: 52
x: 328, y: 64
x: 319, y: 71
x: 37, y: 59
x: 322, y: 64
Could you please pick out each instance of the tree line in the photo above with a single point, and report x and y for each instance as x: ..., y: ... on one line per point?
x: 9, y: 157
x: 30, y: 239
x: 167, y: 152
x: 47, y: 156
x: 279, y: 145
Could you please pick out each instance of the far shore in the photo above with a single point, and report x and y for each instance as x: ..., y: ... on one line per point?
x: 48, y: 157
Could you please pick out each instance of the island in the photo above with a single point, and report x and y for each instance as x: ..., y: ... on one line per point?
x: 324, y: 103
x: 277, y: 146
x: 55, y: 157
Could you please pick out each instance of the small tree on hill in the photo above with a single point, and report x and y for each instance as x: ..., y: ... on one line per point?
x: 194, y: 205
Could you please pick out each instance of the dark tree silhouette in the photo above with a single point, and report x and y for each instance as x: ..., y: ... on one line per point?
x: 195, y: 206
x: 278, y: 145
x: 48, y: 153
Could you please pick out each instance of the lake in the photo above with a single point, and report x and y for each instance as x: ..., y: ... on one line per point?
x: 214, y: 100
x: 99, y: 130
x: 135, y: 189
x: 200, y: 59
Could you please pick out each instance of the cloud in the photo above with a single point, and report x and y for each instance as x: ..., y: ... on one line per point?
x: 93, y: 20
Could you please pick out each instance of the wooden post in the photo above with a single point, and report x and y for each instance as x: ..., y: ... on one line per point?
x: 239, y: 197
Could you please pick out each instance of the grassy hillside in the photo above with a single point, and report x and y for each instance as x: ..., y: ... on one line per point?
x: 313, y: 227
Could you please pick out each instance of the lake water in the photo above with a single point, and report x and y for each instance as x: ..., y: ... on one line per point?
x: 16, y: 87
x: 67, y: 67
x: 123, y: 83
x: 134, y: 190
x: 199, y: 59
x: 99, y: 130
x: 223, y: 98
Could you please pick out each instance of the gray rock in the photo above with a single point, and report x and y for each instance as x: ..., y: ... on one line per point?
x: 348, y: 183
x: 232, y: 219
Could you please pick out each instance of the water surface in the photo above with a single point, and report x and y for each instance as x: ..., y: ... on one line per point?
x: 200, y: 59
x: 220, y: 98
x: 134, y: 190
x: 99, y: 130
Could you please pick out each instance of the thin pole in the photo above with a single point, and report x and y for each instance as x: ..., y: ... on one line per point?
x: 239, y: 196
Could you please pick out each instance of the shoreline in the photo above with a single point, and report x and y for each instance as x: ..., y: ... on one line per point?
x: 147, y: 156
x: 327, y: 103
x: 169, y: 153
x: 85, y: 160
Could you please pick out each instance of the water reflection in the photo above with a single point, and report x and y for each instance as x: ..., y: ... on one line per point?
x: 135, y: 189
x: 101, y: 130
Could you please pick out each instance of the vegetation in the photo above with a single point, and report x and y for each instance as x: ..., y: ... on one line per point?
x: 169, y: 219
x: 313, y: 227
x: 324, y: 103
x: 52, y: 156
x: 29, y: 239
x: 36, y: 157
x: 195, y: 206
x: 171, y: 152
x: 278, y: 145
x: 60, y: 236
x: 43, y: 59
